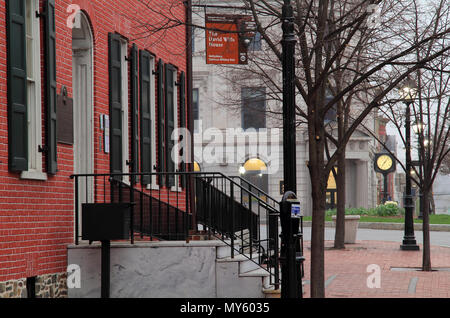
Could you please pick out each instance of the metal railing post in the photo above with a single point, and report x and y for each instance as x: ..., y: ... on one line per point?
x: 186, y: 214
x: 232, y: 218
x: 276, y: 258
x: 141, y: 210
x: 132, y: 212
x: 77, y: 220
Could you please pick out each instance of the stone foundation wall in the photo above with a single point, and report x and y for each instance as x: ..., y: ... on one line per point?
x: 47, y: 286
x: 13, y: 289
x: 51, y: 286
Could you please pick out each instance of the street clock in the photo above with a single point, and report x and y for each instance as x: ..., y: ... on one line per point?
x: 384, y: 163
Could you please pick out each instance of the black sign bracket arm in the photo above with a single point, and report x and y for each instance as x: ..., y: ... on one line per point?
x: 206, y: 6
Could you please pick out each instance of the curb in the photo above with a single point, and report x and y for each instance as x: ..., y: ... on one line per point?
x: 389, y: 226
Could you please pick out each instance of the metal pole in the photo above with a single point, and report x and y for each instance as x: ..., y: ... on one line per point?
x: 191, y: 124
x: 385, y: 198
x: 419, y: 148
x: 105, y: 274
x: 409, y: 240
x: 289, y: 153
x: 77, y: 216
x: 289, y: 288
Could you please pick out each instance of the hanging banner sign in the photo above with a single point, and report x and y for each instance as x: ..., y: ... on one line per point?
x: 226, y: 37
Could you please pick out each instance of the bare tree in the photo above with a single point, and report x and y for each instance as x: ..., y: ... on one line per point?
x: 338, y: 37
x: 431, y: 114
x: 321, y: 47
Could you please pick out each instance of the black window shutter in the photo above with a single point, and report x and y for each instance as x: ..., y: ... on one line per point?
x: 17, y: 86
x: 134, y: 112
x: 161, y: 121
x: 170, y: 121
x: 183, y: 151
x: 146, y: 120
x: 50, y: 86
x: 115, y: 103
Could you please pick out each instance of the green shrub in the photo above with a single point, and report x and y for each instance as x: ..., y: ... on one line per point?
x: 381, y: 210
x: 389, y: 210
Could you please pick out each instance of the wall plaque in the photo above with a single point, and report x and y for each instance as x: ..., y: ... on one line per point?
x: 64, y: 114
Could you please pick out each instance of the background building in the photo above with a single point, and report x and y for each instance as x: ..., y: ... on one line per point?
x: 228, y: 97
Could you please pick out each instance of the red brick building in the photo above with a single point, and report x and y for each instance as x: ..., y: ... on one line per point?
x: 98, y: 55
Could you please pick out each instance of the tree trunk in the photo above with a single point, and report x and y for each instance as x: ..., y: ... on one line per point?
x: 318, y: 193
x: 339, y: 239
x: 318, y: 241
x: 433, y: 204
x: 426, y: 258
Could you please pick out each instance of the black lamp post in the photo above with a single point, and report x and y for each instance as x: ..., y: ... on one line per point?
x: 408, y: 93
x: 291, y: 286
x: 288, y: 43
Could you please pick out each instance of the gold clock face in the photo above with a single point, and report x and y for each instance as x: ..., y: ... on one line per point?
x: 384, y: 162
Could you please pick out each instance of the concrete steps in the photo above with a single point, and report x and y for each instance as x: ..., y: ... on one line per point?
x: 240, y: 276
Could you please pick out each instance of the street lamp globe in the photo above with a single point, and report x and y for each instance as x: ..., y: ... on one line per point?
x: 427, y: 143
x: 408, y: 91
x: 418, y: 127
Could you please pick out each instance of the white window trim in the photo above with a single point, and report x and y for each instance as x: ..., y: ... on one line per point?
x: 175, y: 188
x: 125, y: 109
x: 153, y: 183
x: 35, y: 171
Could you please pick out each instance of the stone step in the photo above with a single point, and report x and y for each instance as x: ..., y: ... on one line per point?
x: 248, y: 266
x: 256, y: 273
x: 225, y: 251
x: 238, y: 258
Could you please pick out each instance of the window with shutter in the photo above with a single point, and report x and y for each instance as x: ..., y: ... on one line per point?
x: 161, y: 122
x: 50, y: 87
x: 147, y: 87
x: 195, y: 109
x: 170, y: 119
x: 134, y: 111
x: 115, y: 103
x: 24, y: 89
x: 125, y: 108
x: 183, y: 124
x: 253, y: 107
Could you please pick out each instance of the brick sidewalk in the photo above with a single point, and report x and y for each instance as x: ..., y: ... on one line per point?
x: 346, y: 271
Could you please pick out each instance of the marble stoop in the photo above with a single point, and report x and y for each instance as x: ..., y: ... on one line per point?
x: 239, y: 277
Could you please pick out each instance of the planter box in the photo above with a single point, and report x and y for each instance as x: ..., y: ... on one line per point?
x: 351, y: 227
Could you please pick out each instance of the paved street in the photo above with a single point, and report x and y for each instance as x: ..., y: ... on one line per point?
x: 346, y: 271
x: 437, y: 238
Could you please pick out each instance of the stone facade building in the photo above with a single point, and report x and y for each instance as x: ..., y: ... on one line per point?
x: 228, y: 98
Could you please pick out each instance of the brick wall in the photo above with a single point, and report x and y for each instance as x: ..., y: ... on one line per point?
x: 36, y: 217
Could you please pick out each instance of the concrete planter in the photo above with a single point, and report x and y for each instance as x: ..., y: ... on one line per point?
x: 351, y: 227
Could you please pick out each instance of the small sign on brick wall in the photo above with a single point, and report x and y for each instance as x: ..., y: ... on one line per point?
x: 64, y: 115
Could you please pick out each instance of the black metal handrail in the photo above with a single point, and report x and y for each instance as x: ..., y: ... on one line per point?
x: 251, y: 187
x: 236, y: 214
x: 229, y: 208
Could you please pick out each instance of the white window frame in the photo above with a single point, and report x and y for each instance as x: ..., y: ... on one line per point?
x: 34, y: 102
x: 153, y: 183
x: 125, y: 109
x: 176, y: 187
x: 197, y: 121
